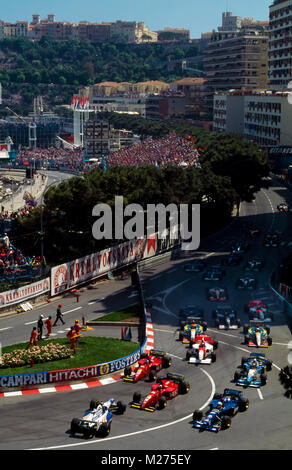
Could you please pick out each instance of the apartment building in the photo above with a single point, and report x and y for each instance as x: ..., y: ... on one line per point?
x: 15, y: 30
x: 280, y: 48
x: 132, y: 32
x: 261, y: 117
x: 237, y: 60
x: 95, y: 32
x: 196, y: 95
x: 2, y: 34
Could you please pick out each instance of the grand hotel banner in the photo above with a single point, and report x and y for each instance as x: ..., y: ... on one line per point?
x: 68, y: 275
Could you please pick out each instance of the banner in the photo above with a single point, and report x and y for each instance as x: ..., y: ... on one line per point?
x: 68, y: 275
x: 14, y: 296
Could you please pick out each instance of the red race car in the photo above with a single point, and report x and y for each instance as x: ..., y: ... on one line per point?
x: 163, y: 390
x: 148, y: 366
x: 217, y: 294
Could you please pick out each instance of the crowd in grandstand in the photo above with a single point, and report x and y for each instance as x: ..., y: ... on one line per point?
x: 52, y: 157
x: 12, y: 260
x: 169, y: 150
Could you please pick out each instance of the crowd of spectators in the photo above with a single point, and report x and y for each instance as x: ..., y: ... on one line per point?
x: 52, y: 157
x: 12, y: 261
x: 169, y: 150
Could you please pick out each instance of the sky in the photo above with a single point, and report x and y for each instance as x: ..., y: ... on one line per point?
x: 199, y: 16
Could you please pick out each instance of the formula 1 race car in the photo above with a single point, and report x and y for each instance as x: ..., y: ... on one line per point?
x: 214, y: 274
x: 217, y: 294
x: 231, y: 260
x: 202, y: 350
x: 258, y: 311
x: 97, y: 420
x: 148, y: 366
x: 191, y: 328
x: 196, y: 266
x: 221, y: 410
x: 163, y: 390
x: 283, y: 207
x: 254, y: 232
x: 252, y: 372
x: 246, y: 283
x: 257, y: 334
x: 240, y: 247
x: 226, y: 318
x: 272, y: 239
x: 189, y: 311
x: 254, y: 265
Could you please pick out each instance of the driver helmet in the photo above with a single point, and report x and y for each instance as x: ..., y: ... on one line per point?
x: 219, y: 405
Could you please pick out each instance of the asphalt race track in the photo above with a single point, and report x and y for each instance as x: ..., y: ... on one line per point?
x: 42, y: 421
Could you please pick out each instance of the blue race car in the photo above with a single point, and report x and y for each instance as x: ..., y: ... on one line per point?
x: 96, y: 421
x: 222, y: 408
x: 252, y: 372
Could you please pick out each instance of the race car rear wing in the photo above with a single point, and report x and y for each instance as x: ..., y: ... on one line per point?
x: 258, y: 355
x: 177, y: 377
x: 157, y: 352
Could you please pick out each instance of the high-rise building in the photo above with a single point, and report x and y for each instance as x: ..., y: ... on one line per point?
x: 280, y: 49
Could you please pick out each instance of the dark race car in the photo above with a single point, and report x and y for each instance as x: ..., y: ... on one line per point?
x: 221, y: 410
x: 196, y: 266
x: 226, y: 318
x: 202, y: 350
x: 254, y: 265
x: 254, y: 232
x: 252, y: 371
x: 240, y: 247
x: 258, y: 311
x: 163, y: 390
x: 148, y: 366
x: 191, y: 328
x: 272, y: 239
x: 190, y: 311
x: 246, y: 283
x: 96, y: 421
x: 214, y: 274
x: 233, y: 259
x: 283, y: 207
x: 257, y: 334
x: 217, y: 294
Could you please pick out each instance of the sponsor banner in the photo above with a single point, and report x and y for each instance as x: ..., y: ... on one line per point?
x: 68, y: 275
x: 93, y: 371
x: 9, y: 381
x: 24, y: 293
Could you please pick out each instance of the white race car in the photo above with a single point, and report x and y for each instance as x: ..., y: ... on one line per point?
x: 97, y: 420
x: 202, y: 350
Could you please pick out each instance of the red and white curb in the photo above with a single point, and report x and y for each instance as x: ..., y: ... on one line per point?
x: 149, y: 332
x: 93, y: 383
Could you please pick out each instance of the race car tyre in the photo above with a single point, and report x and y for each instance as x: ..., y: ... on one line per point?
x: 226, y: 422
x: 243, y: 404
x: 166, y: 362
x: 121, y: 407
x: 152, y: 376
x: 215, y: 344
x: 183, y: 388
x: 180, y: 336
x: 269, y: 365
x: 270, y: 341
x: 197, y: 415
x: 94, y: 404
x: 104, y: 429
x: 127, y: 371
x: 136, y: 397
x: 217, y: 396
x: 243, y: 360
x: 268, y: 330
x: 188, y: 355
x: 263, y: 379
x: 144, y: 356
x: 237, y: 375
x: 162, y: 403
x: 75, y: 425
x: 213, y: 357
x: 245, y: 329
x: 246, y: 340
x: 204, y: 325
